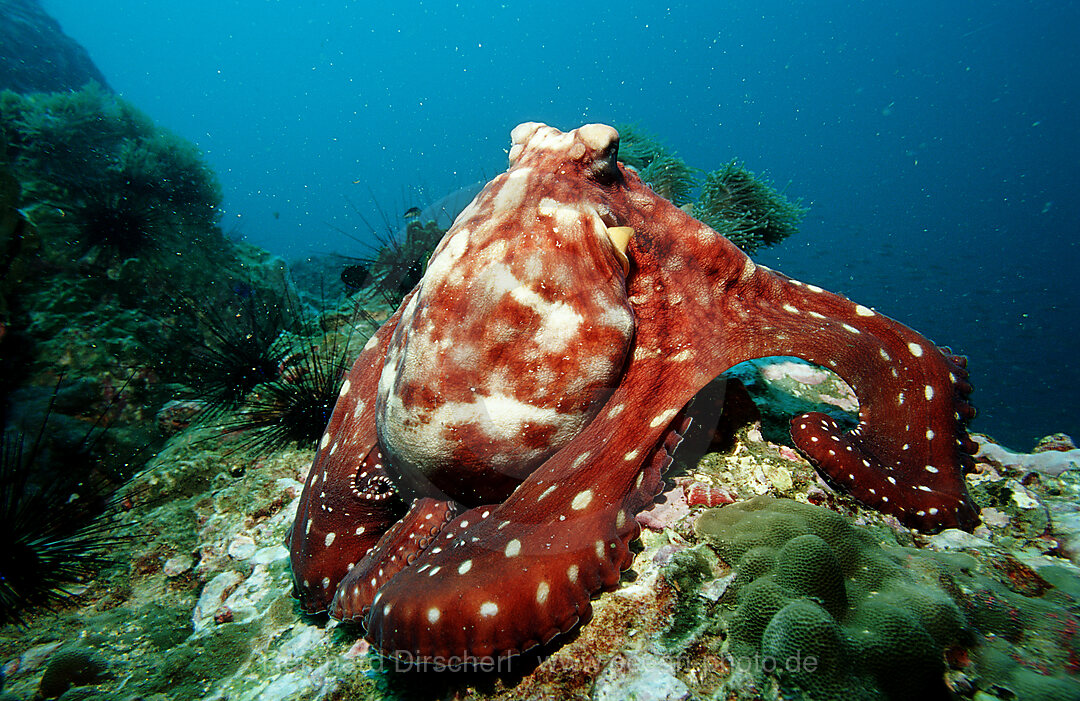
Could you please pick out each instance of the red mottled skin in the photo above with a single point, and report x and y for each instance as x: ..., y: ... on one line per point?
x: 526, y: 398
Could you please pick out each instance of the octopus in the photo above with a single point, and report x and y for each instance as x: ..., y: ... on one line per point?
x: 478, y: 481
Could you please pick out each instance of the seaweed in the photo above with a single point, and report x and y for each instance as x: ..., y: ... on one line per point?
x: 66, y: 147
x: 746, y: 208
x: 637, y: 146
x: 743, y: 207
x: 671, y: 178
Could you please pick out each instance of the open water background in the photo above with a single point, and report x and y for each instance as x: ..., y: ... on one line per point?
x: 936, y: 143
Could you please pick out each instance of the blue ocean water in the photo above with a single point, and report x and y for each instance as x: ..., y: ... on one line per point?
x: 934, y: 142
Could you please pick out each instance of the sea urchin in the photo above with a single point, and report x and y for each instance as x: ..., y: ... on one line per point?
x: 57, y: 531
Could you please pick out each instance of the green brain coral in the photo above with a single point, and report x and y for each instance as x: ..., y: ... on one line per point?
x: 822, y: 609
x: 807, y: 647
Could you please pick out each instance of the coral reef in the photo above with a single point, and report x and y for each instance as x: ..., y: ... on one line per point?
x: 66, y: 146
x: 106, y: 221
x: 14, y: 233
x: 199, y: 605
x: 119, y: 218
x: 201, y: 609
x: 832, y: 610
x: 108, y: 231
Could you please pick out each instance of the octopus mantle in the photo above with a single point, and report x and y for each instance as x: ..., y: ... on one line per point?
x: 479, y: 479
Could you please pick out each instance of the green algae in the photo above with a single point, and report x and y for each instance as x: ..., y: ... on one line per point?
x: 688, y: 570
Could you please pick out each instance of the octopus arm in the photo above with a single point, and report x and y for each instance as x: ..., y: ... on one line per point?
x: 503, y: 578
x: 348, y: 500
x: 909, y: 451
x: 396, y: 550
x: 907, y: 455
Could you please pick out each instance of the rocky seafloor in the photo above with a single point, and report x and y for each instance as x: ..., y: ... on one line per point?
x: 712, y: 608
x: 123, y: 308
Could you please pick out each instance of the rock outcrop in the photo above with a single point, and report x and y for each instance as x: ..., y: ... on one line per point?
x: 36, y: 55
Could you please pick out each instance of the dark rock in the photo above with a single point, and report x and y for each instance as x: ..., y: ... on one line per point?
x: 36, y: 55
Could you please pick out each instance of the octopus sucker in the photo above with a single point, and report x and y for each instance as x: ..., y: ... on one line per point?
x: 480, y: 474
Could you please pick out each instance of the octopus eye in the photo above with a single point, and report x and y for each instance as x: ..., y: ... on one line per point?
x: 602, y: 143
x: 605, y: 168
